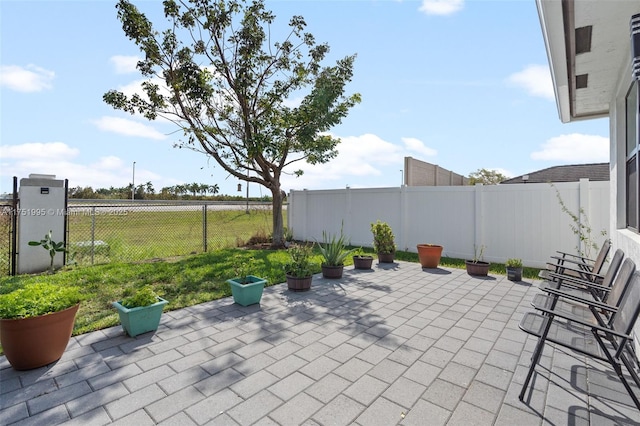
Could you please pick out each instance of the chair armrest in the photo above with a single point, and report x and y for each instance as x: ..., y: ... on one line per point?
x: 578, y: 283
x: 561, y: 262
x: 588, y: 302
x: 580, y: 321
x: 574, y: 256
x: 555, y: 274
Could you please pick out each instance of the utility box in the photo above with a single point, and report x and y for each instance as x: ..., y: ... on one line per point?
x: 41, y: 209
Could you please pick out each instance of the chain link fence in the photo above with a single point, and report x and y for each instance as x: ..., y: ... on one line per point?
x: 119, y: 232
x: 5, y: 238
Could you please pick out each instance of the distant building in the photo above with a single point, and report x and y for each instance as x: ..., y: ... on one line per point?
x: 569, y: 173
x: 421, y: 173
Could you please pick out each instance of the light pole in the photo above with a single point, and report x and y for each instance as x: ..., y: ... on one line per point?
x: 133, y: 182
x: 401, y: 178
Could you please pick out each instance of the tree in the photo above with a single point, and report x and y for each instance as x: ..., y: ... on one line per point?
x: 229, y: 88
x: 486, y: 177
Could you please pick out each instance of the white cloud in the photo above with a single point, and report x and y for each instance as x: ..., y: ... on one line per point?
x: 53, y: 151
x: 441, y: 7
x: 26, y: 79
x: 574, y: 148
x: 363, y: 157
x: 59, y: 159
x: 535, y: 80
x: 127, y: 127
x: 124, y: 64
x: 417, y: 146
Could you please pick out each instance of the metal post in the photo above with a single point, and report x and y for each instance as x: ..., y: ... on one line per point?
x: 133, y: 182
x: 204, y: 228
x: 93, y: 232
x: 247, y: 211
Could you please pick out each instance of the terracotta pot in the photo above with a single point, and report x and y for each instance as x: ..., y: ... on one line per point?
x: 479, y: 268
x: 332, y: 272
x: 299, y: 284
x: 386, y: 257
x: 362, y: 262
x: 429, y: 255
x: 33, y: 342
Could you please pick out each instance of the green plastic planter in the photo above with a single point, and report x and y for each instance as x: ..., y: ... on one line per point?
x: 247, y: 294
x: 141, y: 319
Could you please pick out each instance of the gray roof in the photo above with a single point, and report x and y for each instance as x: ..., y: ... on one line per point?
x: 568, y: 173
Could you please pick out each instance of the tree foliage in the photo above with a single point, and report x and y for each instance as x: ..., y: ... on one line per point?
x: 486, y: 177
x: 215, y: 72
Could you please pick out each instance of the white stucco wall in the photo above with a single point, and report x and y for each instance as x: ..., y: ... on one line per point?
x: 621, y: 237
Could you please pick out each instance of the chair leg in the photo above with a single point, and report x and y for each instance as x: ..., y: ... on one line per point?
x: 535, y: 358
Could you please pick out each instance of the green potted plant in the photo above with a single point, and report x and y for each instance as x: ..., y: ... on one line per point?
x: 477, y: 266
x: 36, y: 322
x: 383, y: 241
x: 140, y: 311
x: 361, y: 260
x: 514, y: 269
x: 246, y: 289
x: 299, y: 270
x: 334, y: 252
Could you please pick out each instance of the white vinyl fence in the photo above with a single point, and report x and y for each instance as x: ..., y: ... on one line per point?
x: 515, y: 220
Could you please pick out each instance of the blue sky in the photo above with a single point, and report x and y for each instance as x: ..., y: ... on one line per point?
x: 462, y: 84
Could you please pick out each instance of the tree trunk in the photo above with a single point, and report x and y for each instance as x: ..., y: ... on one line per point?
x: 278, y: 222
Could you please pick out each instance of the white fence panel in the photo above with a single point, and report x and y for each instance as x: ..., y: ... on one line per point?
x: 521, y: 220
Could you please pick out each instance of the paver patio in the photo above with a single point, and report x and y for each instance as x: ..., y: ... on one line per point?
x: 395, y: 345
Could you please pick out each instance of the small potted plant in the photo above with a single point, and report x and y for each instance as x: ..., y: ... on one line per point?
x: 362, y: 260
x: 36, y: 322
x: 477, y: 266
x: 246, y: 289
x: 514, y: 269
x: 140, y: 310
x: 383, y: 241
x: 299, y: 270
x: 334, y: 252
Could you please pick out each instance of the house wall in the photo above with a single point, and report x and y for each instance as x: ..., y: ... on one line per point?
x: 518, y: 220
x: 622, y: 238
x: 421, y: 173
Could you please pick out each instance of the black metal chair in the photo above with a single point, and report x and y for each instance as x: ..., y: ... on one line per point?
x: 576, y: 265
x: 611, y: 341
x: 598, y: 288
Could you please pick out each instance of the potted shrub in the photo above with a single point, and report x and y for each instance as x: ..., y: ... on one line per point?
x: 514, y: 269
x: 36, y: 322
x: 429, y: 255
x: 334, y: 252
x: 362, y: 260
x: 299, y: 270
x: 383, y: 241
x: 140, y: 311
x: 246, y: 289
x: 477, y: 266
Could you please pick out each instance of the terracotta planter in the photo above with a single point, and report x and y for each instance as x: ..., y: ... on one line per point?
x: 429, y: 255
x: 299, y: 284
x: 37, y: 341
x: 386, y: 257
x: 478, y: 269
x: 332, y: 272
x: 362, y: 262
